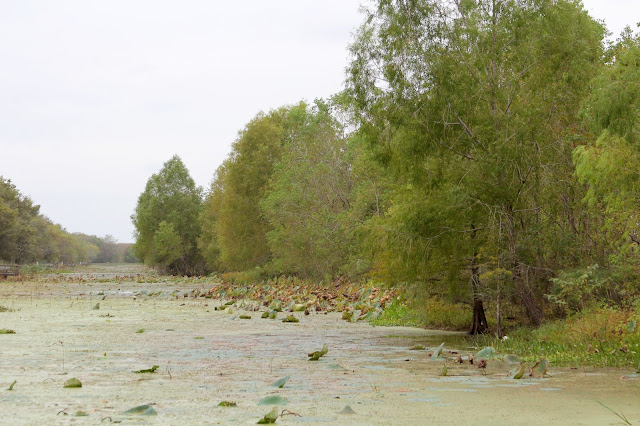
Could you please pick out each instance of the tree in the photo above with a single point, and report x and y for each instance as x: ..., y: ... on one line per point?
x: 166, y: 221
x: 472, y: 105
x: 236, y: 228
x: 312, y: 233
x: 611, y: 166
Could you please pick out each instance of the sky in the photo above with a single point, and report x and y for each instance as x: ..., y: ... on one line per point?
x: 96, y: 95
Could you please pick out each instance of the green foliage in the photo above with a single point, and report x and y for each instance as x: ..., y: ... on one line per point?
x: 166, y: 221
x: 234, y: 236
x: 312, y: 233
x: 28, y: 236
x: 575, y: 290
x: 469, y: 106
x: 597, y: 336
x: 610, y: 165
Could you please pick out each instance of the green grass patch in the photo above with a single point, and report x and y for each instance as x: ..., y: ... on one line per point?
x: 429, y: 313
x: 600, y: 337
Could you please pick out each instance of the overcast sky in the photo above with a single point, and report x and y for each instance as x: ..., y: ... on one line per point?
x: 96, y: 95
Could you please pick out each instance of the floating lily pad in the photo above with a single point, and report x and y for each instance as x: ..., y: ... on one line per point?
x: 245, y: 317
x: 417, y: 348
x: 273, y: 314
x: 270, y: 417
x: 539, y: 369
x: 314, y: 356
x: 227, y: 404
x: 140, y: 331
x: 437, y: 352
x: 273, y: 400
x: 347, y: 315
x: 347, y: 410
x: 520, y: 372
x: 149, y: 370
x: 6, y: 331
x: 444, y: 370
x: 291, y: 318
x: 298, y: 307
x: 72, y: 383
x: 265, y: 315
x: 512, y: 359
x: 96, y: 306
x: 486, y: 353
x: 198, y: 338
x: 141, y: 410
x: 280, y: 383
x: 81, y: 414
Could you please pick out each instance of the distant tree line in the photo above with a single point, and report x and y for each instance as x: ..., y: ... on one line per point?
x: 482, y: 150
x: 27, y: 236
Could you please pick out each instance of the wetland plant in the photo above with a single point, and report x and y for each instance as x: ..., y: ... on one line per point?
x: 280, y: 383
x: 314, y: 356
x: 270, y: 417
x: 619, y: 415
x: 72, y: 383
x: 148, y: 370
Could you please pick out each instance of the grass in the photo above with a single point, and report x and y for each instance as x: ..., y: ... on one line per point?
x: 600, y: 337
x: 430, y: 313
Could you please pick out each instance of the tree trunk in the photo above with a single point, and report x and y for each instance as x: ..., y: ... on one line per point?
x: 479, y: 324
x: 522, y: 286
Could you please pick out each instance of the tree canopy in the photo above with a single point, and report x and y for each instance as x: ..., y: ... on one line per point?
x: 166, y: 220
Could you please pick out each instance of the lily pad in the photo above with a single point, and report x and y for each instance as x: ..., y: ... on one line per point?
x: 273, y: 400
x: 444, y: 370
x: 347, y: 315
x: 72, y: 383
x: 270, y: 417
x: 245, y: 317
x: 280, y: 383
x: 437, y: 352
x: 298, y: 307
x: 265, y: 315
x: 291, y: 318
x: 12, y: 385
x: 314, y: 356
x: 273, y: 314
x: 417, y: 348
x: 6, y: 331
x: 347, y: 410
x: 539, y: 369
x: 141, y: 410
x: 520, y: 372
x: 227, y: 404
x: 512, y: 359
x: 149, y: 370
x: 486, y: 353
x: 81, y: 414
x: 140, y: 331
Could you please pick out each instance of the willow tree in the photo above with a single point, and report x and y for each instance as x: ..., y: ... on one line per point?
x: 312, y: 232
x: 472, y: 104
x: 609, y: 164
x: 235, y: 235
x: 166, y: 221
